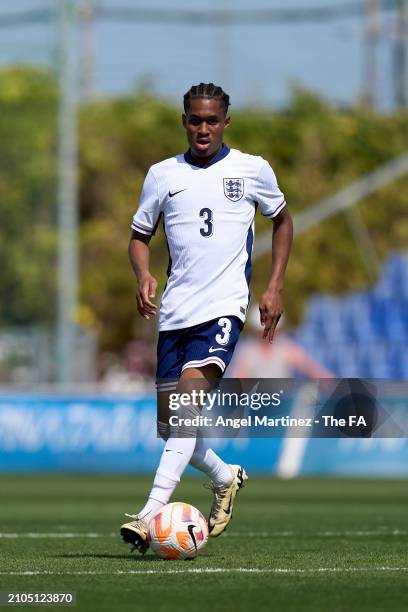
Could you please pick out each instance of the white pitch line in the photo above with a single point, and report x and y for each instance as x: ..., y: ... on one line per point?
x: 248, y: 534
x: 211, y: 570
x: 325, y: 534
x: 57, y: 535
x: 259, y: 534
x: 392, y: 532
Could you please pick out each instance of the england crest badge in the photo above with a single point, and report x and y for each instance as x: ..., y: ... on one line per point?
x: 234, y: 188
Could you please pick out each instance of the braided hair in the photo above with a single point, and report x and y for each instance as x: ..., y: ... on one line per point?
x: 206, y: 90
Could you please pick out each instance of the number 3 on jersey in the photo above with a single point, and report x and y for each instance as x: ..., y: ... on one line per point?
x: 226, y: 327
x: 207, y: 215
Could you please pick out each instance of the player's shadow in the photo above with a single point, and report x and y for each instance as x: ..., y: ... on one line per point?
x: 129, y: 557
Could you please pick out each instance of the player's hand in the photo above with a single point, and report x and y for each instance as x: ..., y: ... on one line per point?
x: 146, y: 292
x: 270, y: 310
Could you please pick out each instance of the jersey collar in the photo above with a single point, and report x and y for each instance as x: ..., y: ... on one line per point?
x: 223, y: 152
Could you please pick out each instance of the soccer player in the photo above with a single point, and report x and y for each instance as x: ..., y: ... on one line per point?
x: 207, y: 198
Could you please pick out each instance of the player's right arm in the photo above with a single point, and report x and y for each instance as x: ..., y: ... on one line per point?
x: 144, y: 225
x: 146, y: 283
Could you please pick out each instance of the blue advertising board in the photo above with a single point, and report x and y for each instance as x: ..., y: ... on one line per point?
x: 118, y: 434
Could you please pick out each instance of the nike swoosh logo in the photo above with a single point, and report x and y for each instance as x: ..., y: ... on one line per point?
x: 190, y: 530
x: 212, y: 349
x: 176, y: 192
x: 228, y: 510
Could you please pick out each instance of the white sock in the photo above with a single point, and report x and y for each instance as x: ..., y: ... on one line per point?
x: 210, y: 463
x: 174, y: 460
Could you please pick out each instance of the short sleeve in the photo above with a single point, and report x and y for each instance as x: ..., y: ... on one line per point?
x: 147, y: 215
x: 267, y: 193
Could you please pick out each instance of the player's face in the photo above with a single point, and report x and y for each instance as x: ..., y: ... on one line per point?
x: 205, y: 123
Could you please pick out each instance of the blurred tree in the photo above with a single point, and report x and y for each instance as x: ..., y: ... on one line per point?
x: 27, y: 195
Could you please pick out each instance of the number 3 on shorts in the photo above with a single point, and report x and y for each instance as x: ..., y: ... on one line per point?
x: 226, y: 326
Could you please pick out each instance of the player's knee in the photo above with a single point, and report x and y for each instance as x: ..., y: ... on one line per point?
x: 184, y: 423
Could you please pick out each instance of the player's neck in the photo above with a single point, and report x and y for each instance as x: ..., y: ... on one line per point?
x: 203, y: 161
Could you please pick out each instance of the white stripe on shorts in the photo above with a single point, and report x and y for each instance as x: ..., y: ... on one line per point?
x: 201, y: 362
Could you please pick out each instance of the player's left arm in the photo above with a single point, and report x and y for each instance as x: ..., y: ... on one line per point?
x: 270, y: 305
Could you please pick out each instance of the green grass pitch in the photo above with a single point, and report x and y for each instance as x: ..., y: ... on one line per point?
x: 302, y: 545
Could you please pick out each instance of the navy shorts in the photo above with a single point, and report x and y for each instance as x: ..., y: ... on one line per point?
x: 196, y: 346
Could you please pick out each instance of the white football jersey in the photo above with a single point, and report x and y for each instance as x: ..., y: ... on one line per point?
x: 208, y: 215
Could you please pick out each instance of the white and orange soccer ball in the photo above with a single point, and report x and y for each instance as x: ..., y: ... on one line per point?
x: 178, y: 531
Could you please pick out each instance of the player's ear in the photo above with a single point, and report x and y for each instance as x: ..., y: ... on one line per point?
x: 227, y: 121
x: 184, y: 119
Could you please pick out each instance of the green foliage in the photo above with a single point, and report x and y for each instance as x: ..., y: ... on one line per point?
x: 314, y: 149
x: 27, y: 195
